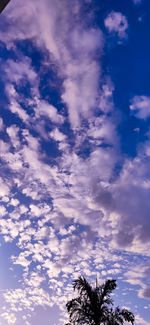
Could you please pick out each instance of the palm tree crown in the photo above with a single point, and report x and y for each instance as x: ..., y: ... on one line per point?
x: 92, y: 306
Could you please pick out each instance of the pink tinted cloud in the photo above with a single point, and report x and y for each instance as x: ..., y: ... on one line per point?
x: 117, y: 23
x: 73, y: 49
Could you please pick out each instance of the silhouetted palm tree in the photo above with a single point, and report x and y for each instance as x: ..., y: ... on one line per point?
x: 118, y: 316
x: 92, y: 306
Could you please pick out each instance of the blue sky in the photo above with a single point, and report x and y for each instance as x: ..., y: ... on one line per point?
x: 74, y: 155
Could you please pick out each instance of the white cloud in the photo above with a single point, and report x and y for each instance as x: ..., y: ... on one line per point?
x: 140, y: 321
x: 145, y: 292
x: 1, y: 124
x: 138, y: 276
x: 42, y: 233
x: 12, y: 131
x: 81, y: 90
x: 106, y: 100
x: 4, y: 188
x: 35, y: 210
x: 11, y: 229
x: 35, y: 280
x: 2, y: 211
x: 27, y: 298
x: 23, y: 209
x: 117, y: 23
x: 14, y: 106
x: 102, y: 129
x: 49, y: 111
x: 73, y: 50
x: 136, y: 2
x: 57, y: 135
x: 16, y: 71
x: 140, y: 106
x: 4, y: 147
x: 9, y: 317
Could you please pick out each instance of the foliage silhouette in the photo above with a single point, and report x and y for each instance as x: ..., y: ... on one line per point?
x: 3, y: 4
x: 93, y: 306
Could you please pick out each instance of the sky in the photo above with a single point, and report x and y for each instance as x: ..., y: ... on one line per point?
x: 74, y: 155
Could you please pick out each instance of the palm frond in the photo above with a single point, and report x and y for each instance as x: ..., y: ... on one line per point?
x: 82, y: 286
x: 92, y: 306
x: 105, y: 291
x: 128, y: 316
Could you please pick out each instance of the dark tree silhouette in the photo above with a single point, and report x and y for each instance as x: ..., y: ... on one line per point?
x: 3, y: 4
x: 93, y: 306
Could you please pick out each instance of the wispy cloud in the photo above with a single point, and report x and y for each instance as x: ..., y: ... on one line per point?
x: 137, y: 2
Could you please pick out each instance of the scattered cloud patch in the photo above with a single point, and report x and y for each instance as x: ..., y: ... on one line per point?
x: 140, y: 106
x: 10, y: 318
x: 117, y: 23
